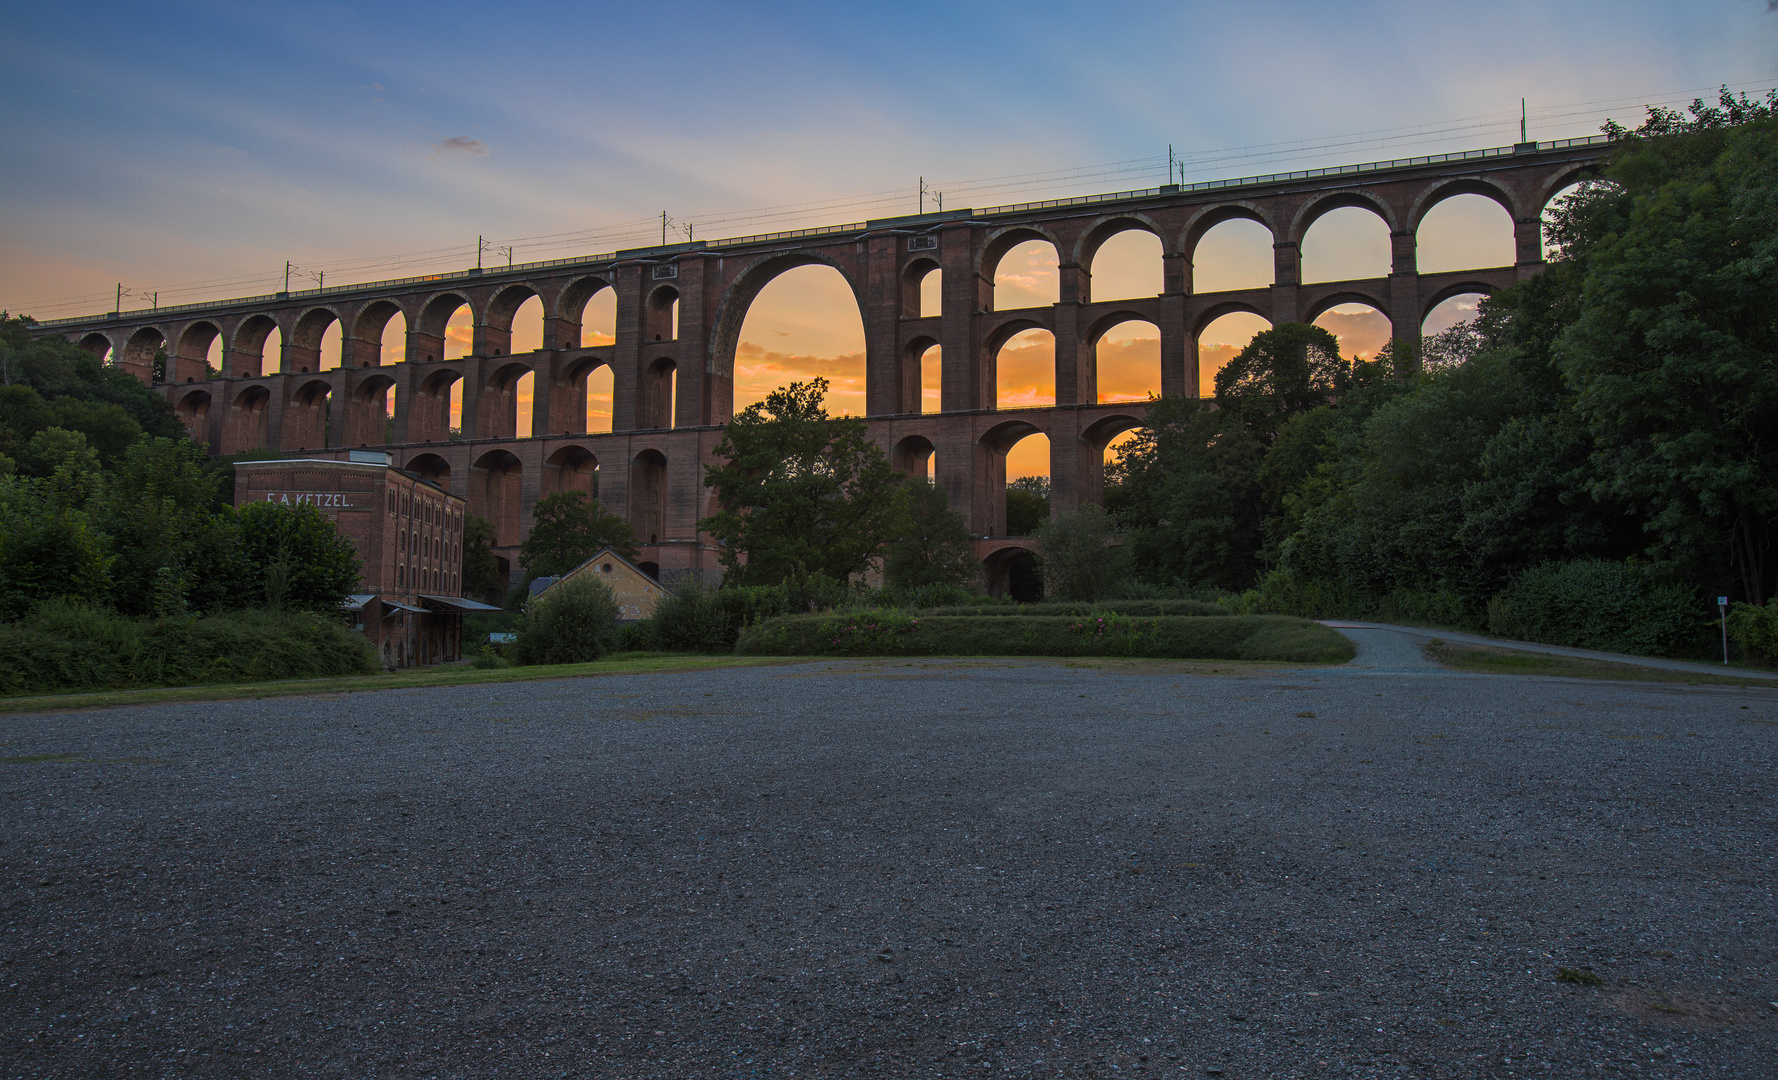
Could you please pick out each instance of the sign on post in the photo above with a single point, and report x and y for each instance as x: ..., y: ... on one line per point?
x: 1722, y: 606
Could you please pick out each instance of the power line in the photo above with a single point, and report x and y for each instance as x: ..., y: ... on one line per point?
x: 637, y: 231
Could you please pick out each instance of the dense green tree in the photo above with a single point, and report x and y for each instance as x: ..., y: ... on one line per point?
x: 48, y: 550
x: 174, y: 549
x: 23, y: 413
x: 1673, y: 353
x: 567, y: 529
x: 1083, y: 559
x: 799, y: 491
x: 1289, y: 369
x: 1393, y: 515
x: 481, y: 569
x: 1190, y: 499
x: 56, y: 368
x: 291, y: 556
x: 934, y: 547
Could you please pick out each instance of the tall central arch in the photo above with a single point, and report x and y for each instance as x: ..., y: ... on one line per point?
x: 725, y: 336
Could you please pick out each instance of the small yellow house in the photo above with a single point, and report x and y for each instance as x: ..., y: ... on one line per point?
x: 636, y: 592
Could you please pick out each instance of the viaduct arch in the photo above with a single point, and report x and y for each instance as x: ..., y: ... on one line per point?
x: 680, y: 309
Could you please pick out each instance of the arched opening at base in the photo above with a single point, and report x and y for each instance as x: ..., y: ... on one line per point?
x: 1015, y: 573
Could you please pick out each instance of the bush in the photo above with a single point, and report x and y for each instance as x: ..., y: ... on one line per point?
x: 929, y: 596
x: 1080, y: 559
x: 1146, y: 608
x: 887, y: 632
x: 1756, y: 628
x: 489, y: 656
x: 1598, y: 604
x: 635, y: 637
x: 1285, y: 593
x: 692, y: 620
x: 71, y: 646
x: 572, y: 622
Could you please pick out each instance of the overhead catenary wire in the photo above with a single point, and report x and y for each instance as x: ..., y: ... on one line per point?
x: 1175, y: 166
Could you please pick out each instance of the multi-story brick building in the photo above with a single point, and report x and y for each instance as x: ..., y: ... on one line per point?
x: 409, y: 534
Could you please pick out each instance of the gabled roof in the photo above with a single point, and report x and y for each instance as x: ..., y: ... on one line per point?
x: 607, y: 554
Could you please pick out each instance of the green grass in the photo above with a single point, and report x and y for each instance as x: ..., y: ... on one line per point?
x: 453, y: 675
x: 1498, y: 661
x: 1279, y: 638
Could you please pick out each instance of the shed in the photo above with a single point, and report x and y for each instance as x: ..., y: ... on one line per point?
x: 636, y: 590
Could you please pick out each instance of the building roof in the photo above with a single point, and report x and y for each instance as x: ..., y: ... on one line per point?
x: 460, y: 603
x: 607, y: 554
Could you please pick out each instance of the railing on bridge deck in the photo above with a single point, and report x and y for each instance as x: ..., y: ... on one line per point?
x: 859, y: 227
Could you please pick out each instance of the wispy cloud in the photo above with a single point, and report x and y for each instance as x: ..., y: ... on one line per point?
x: 461, y: 144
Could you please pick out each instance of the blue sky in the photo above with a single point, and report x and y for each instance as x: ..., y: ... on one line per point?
x: 193, y: 148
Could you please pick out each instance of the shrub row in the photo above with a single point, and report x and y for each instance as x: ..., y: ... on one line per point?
x: 1600, y: 604
x: 64, y: 646
x: 1142, y: 608
x: 901, y: 633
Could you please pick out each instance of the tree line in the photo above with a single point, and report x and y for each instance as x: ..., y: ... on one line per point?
x: 1604, y: 436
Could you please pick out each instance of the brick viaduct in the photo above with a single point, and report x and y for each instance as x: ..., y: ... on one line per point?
x: 673, y: 390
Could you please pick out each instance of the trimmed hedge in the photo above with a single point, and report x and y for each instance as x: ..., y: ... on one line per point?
x: 1142, y: 608
x: 73, y: 647
x: 900, y: 633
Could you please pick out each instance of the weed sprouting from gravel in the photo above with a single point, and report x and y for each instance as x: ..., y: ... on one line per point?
x: 1579, y: 976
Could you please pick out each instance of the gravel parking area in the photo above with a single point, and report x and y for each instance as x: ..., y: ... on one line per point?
x: 875, y: 869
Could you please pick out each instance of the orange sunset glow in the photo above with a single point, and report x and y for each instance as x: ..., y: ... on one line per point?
x: 806, y: 322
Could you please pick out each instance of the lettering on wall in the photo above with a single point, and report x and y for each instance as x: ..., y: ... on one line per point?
x: 325, y: 500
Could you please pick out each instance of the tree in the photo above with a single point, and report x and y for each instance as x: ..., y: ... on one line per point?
x: 1189, y: 495
x: 48, y: 550
x: 57, y: 369
x: 1027, y: 504
x: 571, y: 622
x: 1674, y: 352
x: 799, y: 491
x: 481, y: 569
x: 567, y: 529
x: 22, y: 415
x: 292, y: 556
x: 1082, y: 559
x: 1289, y: 369
x: 173, y: 548
x: 935, y: 547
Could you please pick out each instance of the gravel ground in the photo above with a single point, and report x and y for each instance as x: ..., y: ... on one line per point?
x: 928, y: 869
